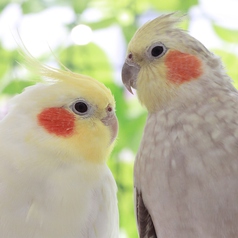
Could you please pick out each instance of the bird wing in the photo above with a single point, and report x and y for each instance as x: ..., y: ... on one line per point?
x: 144, y: 221
x: 186, y: 174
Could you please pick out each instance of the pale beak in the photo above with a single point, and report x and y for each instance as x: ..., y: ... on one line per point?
x: 129, y: 75
x: 111, y: 121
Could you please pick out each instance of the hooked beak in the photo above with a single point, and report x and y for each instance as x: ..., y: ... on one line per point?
x: 111, y: 121
x: 129, y: 75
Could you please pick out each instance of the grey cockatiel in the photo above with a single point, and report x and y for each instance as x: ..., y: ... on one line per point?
x: 186, y: 169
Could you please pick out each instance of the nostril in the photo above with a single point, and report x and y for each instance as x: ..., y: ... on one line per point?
x: 130, y: 56
x: 109, y: 108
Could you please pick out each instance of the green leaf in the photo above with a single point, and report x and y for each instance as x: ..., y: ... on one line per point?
x: 184, y: 24
x: 230, y: 61
x: 123, y: 174
x: 80, y: 5
x: 88, y: 59
x: 174, y: 5
x: 3, y: 4
x: 16, y: 86
x: 9, y: 62
x: 129, y: 31
x: 32, y: 6
x: 6, y: 61
x: 226, y: 34
x: 101, y: 24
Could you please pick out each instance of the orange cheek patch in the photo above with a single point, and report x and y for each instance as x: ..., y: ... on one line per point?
x: 182, y: 67
x: 57, y: 121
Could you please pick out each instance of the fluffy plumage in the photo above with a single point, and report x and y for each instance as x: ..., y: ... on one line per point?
x: 55, y: 140
x: 186, y: 169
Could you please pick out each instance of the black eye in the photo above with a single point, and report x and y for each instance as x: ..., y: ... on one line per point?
x: 157, y: 50
x: 80, y: 107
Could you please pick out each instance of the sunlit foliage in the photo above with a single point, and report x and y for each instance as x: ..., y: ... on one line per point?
x: 92, y: 60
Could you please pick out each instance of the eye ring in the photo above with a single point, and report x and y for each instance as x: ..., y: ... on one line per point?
x: 80, y: 107
x: 157, y: 50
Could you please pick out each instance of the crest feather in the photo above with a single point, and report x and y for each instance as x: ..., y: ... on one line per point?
x: 165, y: 29
x: 162, y: 23
x: 48, y: 72
x: 154, y: 29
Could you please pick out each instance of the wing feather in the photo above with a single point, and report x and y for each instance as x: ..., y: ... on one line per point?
x: 144, y: 221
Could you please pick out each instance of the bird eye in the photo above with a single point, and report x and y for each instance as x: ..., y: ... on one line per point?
x: 157, y: 50
x: 80, y: 107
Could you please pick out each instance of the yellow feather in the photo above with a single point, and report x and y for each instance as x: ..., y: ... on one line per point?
x: 153, y: 89
x: 150, y: 31
x: 91, y: 139
x: 77, y: 80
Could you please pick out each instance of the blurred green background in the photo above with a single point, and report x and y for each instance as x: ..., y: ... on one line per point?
x: 46, y: 28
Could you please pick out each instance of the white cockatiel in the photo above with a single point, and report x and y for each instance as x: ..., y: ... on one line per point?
x: 186, y: 169
x: 55, y: 139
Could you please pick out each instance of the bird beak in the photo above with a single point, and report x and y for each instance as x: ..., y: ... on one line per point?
x: 129, y: 75
x: 111, y: 121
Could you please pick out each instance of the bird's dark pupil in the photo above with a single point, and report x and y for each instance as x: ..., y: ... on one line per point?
x: 157, y: 50
x: 81, y: 107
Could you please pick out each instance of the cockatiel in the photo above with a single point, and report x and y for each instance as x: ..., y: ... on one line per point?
x: 186, y: 169
x: 54, y: 181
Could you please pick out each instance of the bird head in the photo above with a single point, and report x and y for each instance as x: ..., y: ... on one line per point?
x: 161, y: 59
x: 72, y: 116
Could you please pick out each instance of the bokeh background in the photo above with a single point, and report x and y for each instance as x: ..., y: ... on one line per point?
x: 90, y: 37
